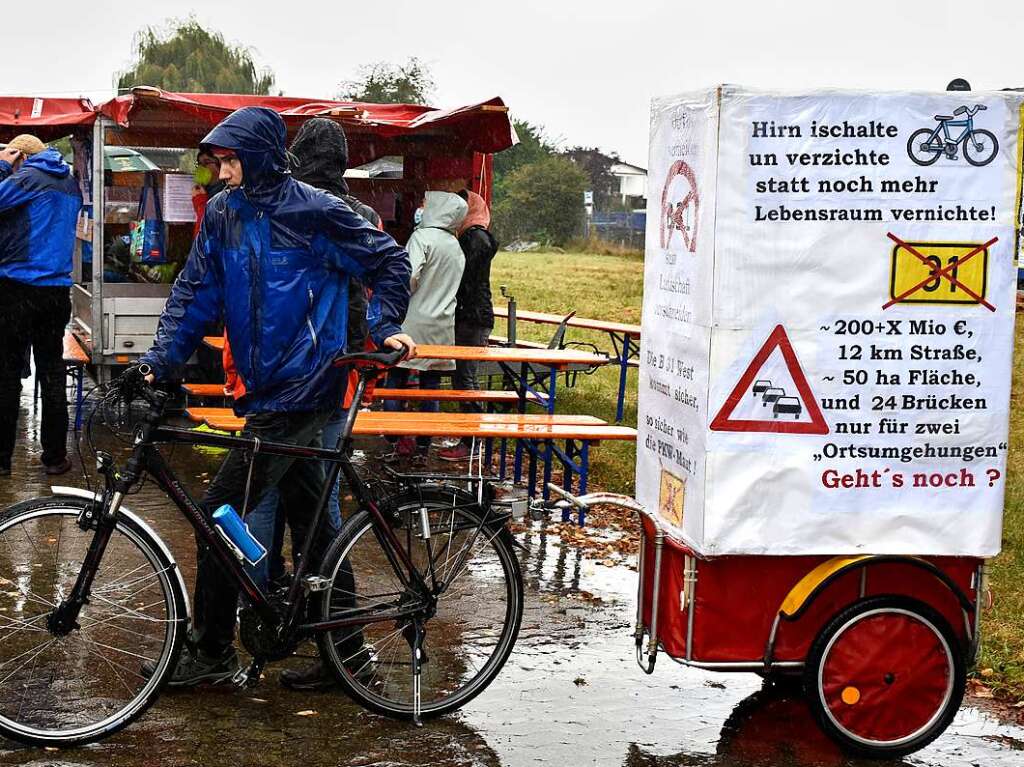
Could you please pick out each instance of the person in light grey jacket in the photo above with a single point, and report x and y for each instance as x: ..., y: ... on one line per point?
x: 437, y: 262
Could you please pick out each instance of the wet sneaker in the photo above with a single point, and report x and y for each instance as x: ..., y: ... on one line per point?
x: 198, y: 668
x: 316, y: 676
x: 58, y: 468
x: 457, y: 453
x: 313, y: 677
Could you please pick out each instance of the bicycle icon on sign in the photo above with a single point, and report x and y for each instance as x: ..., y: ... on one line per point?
x: 926, y: 145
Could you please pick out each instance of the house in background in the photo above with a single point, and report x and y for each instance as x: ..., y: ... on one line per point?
x: 632, y: 184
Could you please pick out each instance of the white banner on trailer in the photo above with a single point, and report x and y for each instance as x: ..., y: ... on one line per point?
x: 828, y: 320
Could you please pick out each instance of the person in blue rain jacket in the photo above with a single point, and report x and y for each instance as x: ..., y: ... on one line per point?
x: 272, y: 259
x: 39, y: 205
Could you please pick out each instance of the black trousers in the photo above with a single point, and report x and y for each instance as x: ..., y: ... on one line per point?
x: 299, y: 482
x: 34, y: 316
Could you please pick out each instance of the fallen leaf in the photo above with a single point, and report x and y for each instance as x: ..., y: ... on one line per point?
x: 986, y: 672
x: 579, y: 681
x: 307, y: 712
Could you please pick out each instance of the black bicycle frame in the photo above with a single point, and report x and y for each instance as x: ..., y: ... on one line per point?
x: 147, y: 459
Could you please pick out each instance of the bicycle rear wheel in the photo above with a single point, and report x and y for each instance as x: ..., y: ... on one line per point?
x: 478, y: 613
x: 63, y: 690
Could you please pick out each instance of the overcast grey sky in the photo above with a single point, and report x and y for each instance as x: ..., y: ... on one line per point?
x: 584, y: 70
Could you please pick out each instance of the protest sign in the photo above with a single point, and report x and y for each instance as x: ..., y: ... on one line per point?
x: 828, y: 317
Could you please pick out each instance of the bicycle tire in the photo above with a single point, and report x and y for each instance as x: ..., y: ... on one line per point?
x: 905, y: 668
x: 912, y: 145
x: 358, y: 530
x: 969, y: 142
x: 63, y: 512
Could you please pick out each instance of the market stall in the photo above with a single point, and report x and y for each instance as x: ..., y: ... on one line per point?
x: 48, y: 119
x: 396, y: 152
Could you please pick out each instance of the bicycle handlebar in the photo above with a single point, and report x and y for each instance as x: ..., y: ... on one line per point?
x: 133, y: 385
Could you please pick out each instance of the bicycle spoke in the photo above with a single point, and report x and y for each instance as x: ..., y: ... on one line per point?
x: 135, y: 613
x: 40, y: 647
x: 25, y: 687
x: 114, y: 670
x: 107, y: 588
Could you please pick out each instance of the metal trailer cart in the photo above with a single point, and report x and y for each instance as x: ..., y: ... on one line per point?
x: 438, y: 149
x: 880, y: 644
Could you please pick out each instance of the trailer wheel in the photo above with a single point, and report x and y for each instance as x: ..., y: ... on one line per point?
x: 886, y: 676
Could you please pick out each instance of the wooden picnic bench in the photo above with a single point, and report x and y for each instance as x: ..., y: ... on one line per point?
x: 625, y: 339
x: 577, y: 431
x: 76, y: 357
x: 519, y: 365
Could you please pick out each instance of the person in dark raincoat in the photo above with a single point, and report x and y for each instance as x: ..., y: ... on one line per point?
x: 320, y: 151
x: 273, y: 259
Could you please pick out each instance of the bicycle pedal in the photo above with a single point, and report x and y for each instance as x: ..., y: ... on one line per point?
x: 314, y: 583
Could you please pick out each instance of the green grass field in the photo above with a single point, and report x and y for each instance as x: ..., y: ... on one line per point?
x: 611, y: 287
x: 596, y: 287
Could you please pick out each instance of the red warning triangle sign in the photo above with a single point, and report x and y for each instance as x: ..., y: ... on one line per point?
x: 724, y: 421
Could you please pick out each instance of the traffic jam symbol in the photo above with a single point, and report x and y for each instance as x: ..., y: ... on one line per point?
x: 782, y: 408
x: 939, y: 273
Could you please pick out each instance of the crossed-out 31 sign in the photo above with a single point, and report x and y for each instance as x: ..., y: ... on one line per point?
x: 939, y: 273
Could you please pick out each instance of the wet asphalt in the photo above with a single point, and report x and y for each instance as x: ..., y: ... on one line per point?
x: 570, y: 694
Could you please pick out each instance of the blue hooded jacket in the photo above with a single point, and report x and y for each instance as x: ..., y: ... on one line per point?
x: 273, y: 258
x: 39, y: 207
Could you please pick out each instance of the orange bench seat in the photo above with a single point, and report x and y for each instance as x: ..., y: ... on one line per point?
x: 481, y: 425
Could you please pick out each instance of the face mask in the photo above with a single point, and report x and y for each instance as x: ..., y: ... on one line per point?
x: 417, y: 217
x: 202, y: 175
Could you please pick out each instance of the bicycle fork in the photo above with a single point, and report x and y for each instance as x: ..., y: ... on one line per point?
x: 64, y: 618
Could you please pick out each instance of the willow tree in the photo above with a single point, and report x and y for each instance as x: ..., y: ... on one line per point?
x: 189, y: 58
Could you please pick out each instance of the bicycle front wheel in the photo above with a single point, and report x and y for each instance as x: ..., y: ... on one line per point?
x: 980, y: 147
x: 63, y: 689
x: 923, y: 147
x: 468, y: 637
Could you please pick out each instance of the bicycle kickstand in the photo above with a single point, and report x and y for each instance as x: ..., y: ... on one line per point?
x: 417, y: 664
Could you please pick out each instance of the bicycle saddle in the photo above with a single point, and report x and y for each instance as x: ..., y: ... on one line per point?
x: 943, y: 117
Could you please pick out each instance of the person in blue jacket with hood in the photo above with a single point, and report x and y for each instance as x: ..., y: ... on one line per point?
x: 39, y: 204
x: 272, y: 259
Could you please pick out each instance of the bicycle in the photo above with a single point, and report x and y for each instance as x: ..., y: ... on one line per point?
x: 415, y: 607
x: 980, y: 146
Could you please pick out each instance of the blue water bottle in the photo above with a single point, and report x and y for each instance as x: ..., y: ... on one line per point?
x: 236, y: 534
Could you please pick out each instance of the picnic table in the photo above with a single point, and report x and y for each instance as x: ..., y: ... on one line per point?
x: 625, y: 340
x: 507, y: 358
x: 518, y: 363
